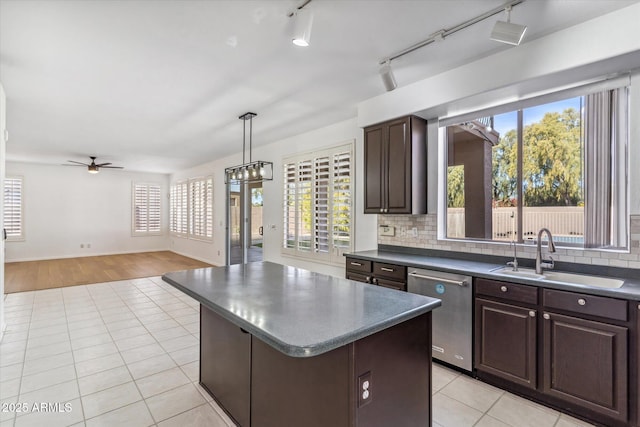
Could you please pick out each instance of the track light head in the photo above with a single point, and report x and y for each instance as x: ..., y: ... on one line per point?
x: 303, y: 20
x: 508, y: 32
x: 388, y: 79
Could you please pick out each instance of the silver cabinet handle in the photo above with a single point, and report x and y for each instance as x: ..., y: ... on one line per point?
x: 546, y: 316
x: 439, y: 279
x: 357, y: 264
x: 582, y: 301
x: 532, y: 313
x: 390, y: 270
x: 504, y: 288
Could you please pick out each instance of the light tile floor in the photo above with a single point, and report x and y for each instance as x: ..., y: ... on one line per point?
x: 126, y: 354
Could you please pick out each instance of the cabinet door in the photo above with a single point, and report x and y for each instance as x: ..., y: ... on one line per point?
x: 225, y: 364
x: 506, y: 341
x: 374, y: 170
x: 399, y: 166
x: 585, y: 363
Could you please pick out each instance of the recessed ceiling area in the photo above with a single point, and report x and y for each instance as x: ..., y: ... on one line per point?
x: 157, y: 86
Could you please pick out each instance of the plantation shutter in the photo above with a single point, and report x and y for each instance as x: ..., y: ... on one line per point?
x: 146, y: 209
x: 289, y: 214
x: 341, y: 224
x: 13, y: 215
x: 305, y: 178
x: 322, y: 182
x: 201, y: 205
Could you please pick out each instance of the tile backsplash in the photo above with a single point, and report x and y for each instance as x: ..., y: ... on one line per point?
x: 420, y: 231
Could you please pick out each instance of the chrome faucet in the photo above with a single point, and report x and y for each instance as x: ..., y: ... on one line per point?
x: 514, y: 263
x: 544, y: 263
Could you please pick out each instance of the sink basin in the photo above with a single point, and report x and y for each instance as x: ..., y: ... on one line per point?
x: 581, y: 279
x: 525, y: 273
x: 560, y: 277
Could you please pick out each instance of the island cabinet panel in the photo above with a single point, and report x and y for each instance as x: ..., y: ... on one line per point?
x: 225, y: 364
x: 300, y: 391
x: 506, y: 342
x: 585, y: 363
x: 386, y: 360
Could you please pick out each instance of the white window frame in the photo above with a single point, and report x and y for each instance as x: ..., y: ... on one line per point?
x: 149, y: 207
x: 11, y: 235
x: 333, y: 253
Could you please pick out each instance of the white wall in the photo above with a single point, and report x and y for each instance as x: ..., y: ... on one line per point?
x: 3, y: 124
x: 365, y: 225
x: 65, y: 207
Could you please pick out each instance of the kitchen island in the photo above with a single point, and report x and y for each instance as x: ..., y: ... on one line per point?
x: 282, y: 346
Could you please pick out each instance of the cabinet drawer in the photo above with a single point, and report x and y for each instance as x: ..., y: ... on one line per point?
x: 359, y: 277
x: 354, y: 264
x: 392, y: 284
x: 390, y: 271
x: 609, y: 308
x: 509, y: 291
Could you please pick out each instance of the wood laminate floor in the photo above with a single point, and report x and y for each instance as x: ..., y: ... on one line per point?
x: 57, y: 273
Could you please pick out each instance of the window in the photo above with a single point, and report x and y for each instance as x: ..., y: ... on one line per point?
x: 191, y: 209
x: 13, y: 216
x: 146, y: 209
x: 179, y: 209
x: 201, y: 208
x: 317, y: 220
x: 559, y: 165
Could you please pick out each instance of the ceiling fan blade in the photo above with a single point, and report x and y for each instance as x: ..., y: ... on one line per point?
x: 66, y: 164
x: 79, y: 163
x: 111, y: 167
x: 102, y: 164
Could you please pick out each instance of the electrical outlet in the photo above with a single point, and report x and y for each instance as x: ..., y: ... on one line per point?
x: 81, y: 245
x: 387, y: 230
x: 414, y: 232
x: 403, y: 231
x: 88, y: 245
x: 364, y: 389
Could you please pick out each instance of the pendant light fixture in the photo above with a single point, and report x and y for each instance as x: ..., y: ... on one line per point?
x: 252, y: 171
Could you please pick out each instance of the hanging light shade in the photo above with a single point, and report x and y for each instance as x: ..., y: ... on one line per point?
x: 251, y: 171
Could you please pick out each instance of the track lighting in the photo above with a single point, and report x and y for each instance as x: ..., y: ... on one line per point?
x: 388, y: 78
x: 303, y: 19
x: 508, y: 32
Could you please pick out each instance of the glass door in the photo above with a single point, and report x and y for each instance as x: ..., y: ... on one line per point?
x: 244, y: 222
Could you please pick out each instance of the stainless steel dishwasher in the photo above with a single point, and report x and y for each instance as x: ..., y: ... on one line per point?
x: 452, y: 321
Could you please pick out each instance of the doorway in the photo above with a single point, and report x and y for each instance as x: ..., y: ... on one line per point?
x: 244, y: 222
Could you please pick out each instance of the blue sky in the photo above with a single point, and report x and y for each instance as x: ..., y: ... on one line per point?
x: 505, y: 122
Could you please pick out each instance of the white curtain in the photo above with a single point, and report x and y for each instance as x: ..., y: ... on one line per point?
x: 605, y: 142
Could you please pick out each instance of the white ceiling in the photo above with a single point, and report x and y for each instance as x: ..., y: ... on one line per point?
x: 158, y: 85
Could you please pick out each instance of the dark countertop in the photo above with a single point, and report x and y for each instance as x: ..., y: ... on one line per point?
x: 298, y: 312
x: 630, y: 290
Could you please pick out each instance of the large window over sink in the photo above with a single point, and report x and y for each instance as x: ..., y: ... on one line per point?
x: 556, y: 162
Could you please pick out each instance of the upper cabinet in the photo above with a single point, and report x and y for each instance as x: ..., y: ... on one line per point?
x: 395, y: 167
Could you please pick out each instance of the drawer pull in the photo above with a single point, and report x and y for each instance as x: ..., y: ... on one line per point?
x: 546, y: 316
x: 357, y: 264
x: 582, y: 301
x: 504, y: 288
x: 532, y: 313
x: 389, y: 270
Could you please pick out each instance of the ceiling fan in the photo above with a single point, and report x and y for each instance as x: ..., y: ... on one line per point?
x: 93, y: 167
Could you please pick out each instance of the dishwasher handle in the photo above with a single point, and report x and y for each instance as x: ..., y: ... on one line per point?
x: 439, y: 279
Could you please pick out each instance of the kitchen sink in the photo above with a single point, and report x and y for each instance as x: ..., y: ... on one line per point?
x: 560, y: 277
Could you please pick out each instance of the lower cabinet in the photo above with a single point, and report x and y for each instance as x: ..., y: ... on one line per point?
x: 506, y: 336
x: 585, y: 363
x: 377, y: 273
x: 569, y: 350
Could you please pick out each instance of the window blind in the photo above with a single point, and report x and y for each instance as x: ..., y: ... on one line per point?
x: 13, y: 213
x: 146, y: 209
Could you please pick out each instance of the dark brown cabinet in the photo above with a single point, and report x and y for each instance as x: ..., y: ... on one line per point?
x: 566, y: 349
x: 506, y: 331
x: 377, y: 273
x: 395, y: 155
x: 586, y: 360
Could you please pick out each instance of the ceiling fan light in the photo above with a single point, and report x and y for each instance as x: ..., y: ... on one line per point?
x: 303, y: 20
x: 93, y: 169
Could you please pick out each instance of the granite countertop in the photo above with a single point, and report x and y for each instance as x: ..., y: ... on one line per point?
x: 630, y: 289
x: 298, y: 312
